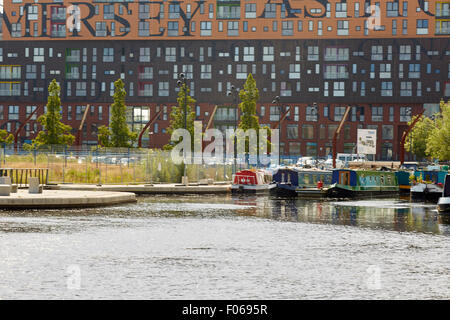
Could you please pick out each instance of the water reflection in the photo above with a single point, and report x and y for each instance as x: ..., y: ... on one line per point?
x: 396, y: 215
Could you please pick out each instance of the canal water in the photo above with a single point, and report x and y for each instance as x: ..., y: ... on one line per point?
x: 225, y: 247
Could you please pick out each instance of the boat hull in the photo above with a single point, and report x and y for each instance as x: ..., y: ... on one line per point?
x: 338, y: 192
x: 427, y: 193
x: 444, y: 205
x: 252, y: 189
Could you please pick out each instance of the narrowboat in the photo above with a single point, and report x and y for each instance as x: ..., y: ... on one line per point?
x: 444, y: 201
x: 347, y: 183
x: 404, y: 182
x: 428, y: 185
x: 252, y: 181
x: 293, y: 181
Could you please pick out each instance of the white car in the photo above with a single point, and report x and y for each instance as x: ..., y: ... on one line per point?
x: 329, y: 164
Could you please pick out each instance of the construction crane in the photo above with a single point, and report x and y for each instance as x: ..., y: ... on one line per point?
x: 336, y: 133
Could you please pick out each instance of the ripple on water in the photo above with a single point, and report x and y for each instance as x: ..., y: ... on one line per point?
x: 227, y: 248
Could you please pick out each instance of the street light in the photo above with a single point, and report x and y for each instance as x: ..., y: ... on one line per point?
x: 182, y: 83
x: 276, y: 101
x: 315, y: 112
x: 235, y: 92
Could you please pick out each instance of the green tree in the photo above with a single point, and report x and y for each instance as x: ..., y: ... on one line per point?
x: 118, y: 135
x: 249, y: 119
x: 54, y: 131
x: 417, y: 139
x: 6, y: 138
x: 177, y: 116
x: 438, y: 145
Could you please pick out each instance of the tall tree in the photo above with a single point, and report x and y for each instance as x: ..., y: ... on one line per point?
x: 54, y: 131
x: 417, y: 139
x: 249, y: 119
x: 118, y: 135
x: 438, y: 144
x: 177, y: 116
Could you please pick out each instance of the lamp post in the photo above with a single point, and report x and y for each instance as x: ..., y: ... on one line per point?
x: 234, y: 92
x: 315, y: 112
x: 276, y: 101
x: 182, y: 83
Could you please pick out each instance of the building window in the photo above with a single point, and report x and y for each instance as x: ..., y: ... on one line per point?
x: 100, y: 29
x: 392, y: 9
x: 339, y: 89
x: 144, y: 54
x: 307, y: 131
x: 405, y: 89
x: 171, y: 54
x: 405, y: 52
x: 422, y: 26
x: 163, y: 89
x: 145, y: 90
x: 386, y: 89
x: 270, y: 10
x: 335, y: 72
x: 172, y: 28
x: 144, y: 29
x: 205, y: 71
x: 268, y: 54
x: 339, y: 113
x: 233, y: 28
x: 241, y: 71
x: 13, y: 113
x: 387, y: 132
x: 294, y: 71
x: 336, y: 54
x: 287, y: 28
x: 313, y: 53
x: 341, y: 10
x: 292, y: 131
x: 405, y: 114
x: 377, y: 114
x: 414, y: 71
x: 342, y: 28
x: 250, y: 10
x: 377, y: 52
x: 108, y: 54
x: 205, y: 28
x: 38, y: 55
x: 249, y: 54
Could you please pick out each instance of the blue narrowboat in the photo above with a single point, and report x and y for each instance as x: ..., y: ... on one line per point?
x: 292, y: 181
x: 404, y: 182
x: 428, y: 185
x: 349, y: 183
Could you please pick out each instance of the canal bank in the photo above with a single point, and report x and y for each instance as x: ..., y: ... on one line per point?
x: 53, y: 199
x: 166, y: 189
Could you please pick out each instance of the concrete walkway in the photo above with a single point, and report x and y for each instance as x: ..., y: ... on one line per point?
x: 51, y: 199
x: 148, y: 189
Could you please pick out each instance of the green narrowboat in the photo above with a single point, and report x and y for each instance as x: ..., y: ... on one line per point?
x: 348, y: 183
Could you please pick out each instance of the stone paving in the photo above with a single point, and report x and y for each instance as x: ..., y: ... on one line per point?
x: 64, y: 199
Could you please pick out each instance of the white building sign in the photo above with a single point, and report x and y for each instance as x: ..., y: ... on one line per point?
x: 367, y: 141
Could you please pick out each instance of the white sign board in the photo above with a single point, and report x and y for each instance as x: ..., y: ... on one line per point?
x: 367, y: 141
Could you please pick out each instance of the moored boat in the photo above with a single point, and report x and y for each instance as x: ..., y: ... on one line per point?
x: 428, y: 184
x: 252, y: 181
x: 404, y: 182
x: 306, y: 183
x: 347, y: 183
x: 444, y: 201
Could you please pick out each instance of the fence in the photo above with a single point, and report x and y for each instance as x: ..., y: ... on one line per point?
x: 94, y: 165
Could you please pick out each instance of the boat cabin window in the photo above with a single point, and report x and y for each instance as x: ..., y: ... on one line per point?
x: 282, y: 178
x: 382, y: 180
x: 306, y: 178
x: 288, y: 178
x: 344, y: 178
